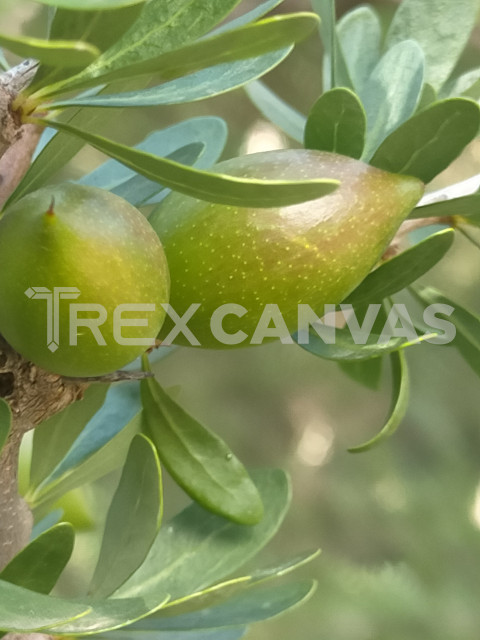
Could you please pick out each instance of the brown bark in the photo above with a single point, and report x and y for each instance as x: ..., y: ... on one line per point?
x: 33, y: 395
x: 16, y: 160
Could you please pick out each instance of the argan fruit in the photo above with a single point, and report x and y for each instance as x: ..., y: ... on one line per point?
x: 313, y: 253
x: 71, y: 245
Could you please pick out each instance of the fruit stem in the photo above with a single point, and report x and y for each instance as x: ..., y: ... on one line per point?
x: 408, y: 226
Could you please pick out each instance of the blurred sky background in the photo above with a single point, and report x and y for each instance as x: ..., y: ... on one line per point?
x: 398, y: 526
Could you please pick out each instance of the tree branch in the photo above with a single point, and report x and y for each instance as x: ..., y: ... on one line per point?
x: 12, y: 82
x: 33, y: 395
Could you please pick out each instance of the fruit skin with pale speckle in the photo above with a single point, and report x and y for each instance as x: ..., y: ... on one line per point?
x: 78, y: 236
x: 313, y: 253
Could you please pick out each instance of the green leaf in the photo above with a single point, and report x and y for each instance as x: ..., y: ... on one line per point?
x: 326, y: 11
x: 392, y: 92
x: 163, y: 26
x: 201, y: 184
x: 106, y: 459
x: 121, y: 404
x: 249, y: 17
x: 140, y: 191
x: 430, y: 141
x: 359, y: 35
x: 107, y: 615
x: 468, y: 206
x: 53, y: 438
x: 60, y: 148
x: 89, y: 5
x: 100, y: 28
x: 132, y: 521
x: 346, y: 349
x: 253, y: 605
x: 399, y: 272
x: 49, y: 521
x: 39, y: 565
x: 214, y: 546
x: 441, y: 27
x: 63, y: 53
x: 337, y: 122
x: 427, y: 97
x: 466, y: 85
x: 467, y: 339
x: 284, y: 116
x: 5, y: 422
x: 197, y: 86
x: 177, y: 613
x: 365, y: 372
x: 399, y: 405
x: 246, y: 42
x: 199, y: 461
x: 25, y: 611
x: 210, y: 132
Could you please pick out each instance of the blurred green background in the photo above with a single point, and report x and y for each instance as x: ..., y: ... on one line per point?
x: 398, y: 526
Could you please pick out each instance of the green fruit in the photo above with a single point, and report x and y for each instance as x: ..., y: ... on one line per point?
x: 314, y: 253
x: 72, y: 236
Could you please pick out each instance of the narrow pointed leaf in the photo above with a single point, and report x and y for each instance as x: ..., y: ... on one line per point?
x: 252, y: 605
x: 466, y: 85
x: 5, y: 422
x: 399, y: 405
x: 25, y: 611
x: 337, y: 123
x: 326, y: 11
x: 198, y: 548
x: 402, y: 270
x: 249, y: 17
x: 359, y: 36
x: 392, y: 92
x: 101, y: 462
x: 170, y: 617
x: 249, y: 41
x: 467, y: 324
x: 121, y: 404
x: 53, y: 438
x: 140, y: 191
x: 46, y: 523
x: 63, y: 53
x: 164, y: 26
x: 427, y: 97
x: 202, y: 184
x: 199, y: 461
x: 197, y: 86
x: 210, y: 132
x: 110, y: 614
x: 39, y: 565
x: 102, y: 28
x: 441, y: 27
x: 429, y: 142
x: 284, y: 116
x: 346, y: 349
x: 132, y: 521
